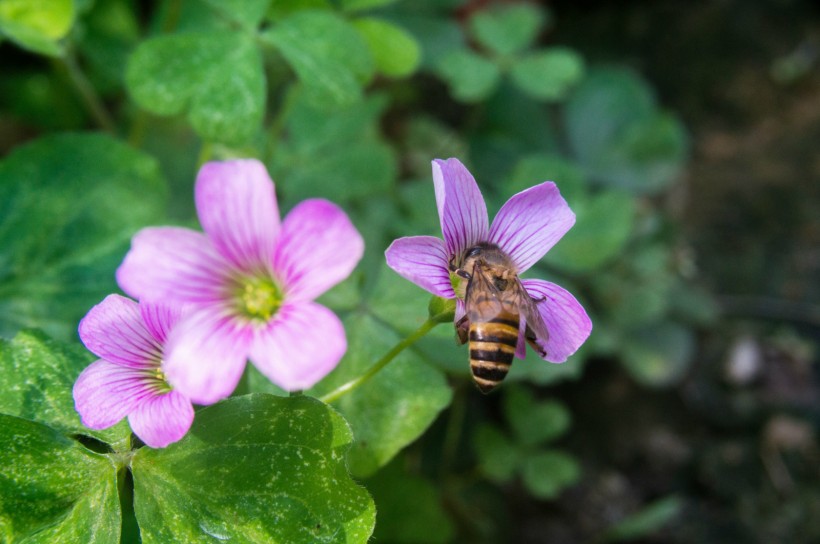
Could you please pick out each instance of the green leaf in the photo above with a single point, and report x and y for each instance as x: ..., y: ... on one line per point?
x: 395, y: 51
x: 659, y: 354
x: 54, y: 490
x: 619, y: 136
x: 436, y: 34
x: 392, y: 409
x: 256, y: 468
x: 37, y: 376
x: 508, y: 28
x: 534, y: 422
x: 604, y: 223
x: 605, y: 102
x: 647, y: 157
x: 471, y: 77
x: 547, y: 473
x: 534, y: 169
x: 69, y: 205
x: 313, y: 131
x: 37, y: 24
x: 548, y: 74
x: 331, y: 59
x: 282, y: 8
x: 637, y: 292
x: 361, y: 5
x: 216, y: 78
x: 338, y: 155
x: 498, y: 456
x: 352, y: 172
x: 410, y: 509
x: 646, y: 521
x: 247, y: 13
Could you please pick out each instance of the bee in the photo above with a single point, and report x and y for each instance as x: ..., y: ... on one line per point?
x: 495, y: 301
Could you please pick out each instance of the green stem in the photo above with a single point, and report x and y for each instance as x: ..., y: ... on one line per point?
x: 380, y: 364
x: 87, y: 93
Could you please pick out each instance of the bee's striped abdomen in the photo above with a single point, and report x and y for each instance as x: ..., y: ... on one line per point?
x: 492, y: 346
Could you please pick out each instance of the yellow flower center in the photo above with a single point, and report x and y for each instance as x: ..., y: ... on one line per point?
x: 259, y: 298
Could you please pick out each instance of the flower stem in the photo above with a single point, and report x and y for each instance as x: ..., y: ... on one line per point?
x: 86, y: 91
x: 380, y: 364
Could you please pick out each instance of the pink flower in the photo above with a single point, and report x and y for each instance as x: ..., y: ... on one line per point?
x: 526, y: 227
x: 127, y: 380
x: 249, y: 281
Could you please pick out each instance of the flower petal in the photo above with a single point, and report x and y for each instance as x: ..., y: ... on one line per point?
x: 300, y: 347
x: 424, y: 261
x: 172, y: 264
x: 236, y: 204
x: 162, y: 419
x: 114, y: 331
x: 530, y: 223
x: 160, y: 318
x: 566, y: 320
x: 106, y: 392
x: 205, y: 354
x: 318, y: 248
x: 461, y: 207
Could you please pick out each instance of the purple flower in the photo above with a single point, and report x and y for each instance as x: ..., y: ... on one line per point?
x: 526, y: 227
x: 127, y: 380
x: 249, y: 281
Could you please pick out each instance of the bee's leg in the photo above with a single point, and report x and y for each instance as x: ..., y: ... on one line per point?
x: 463, y: 330
x: 530, y: 336
x: 458, y: 271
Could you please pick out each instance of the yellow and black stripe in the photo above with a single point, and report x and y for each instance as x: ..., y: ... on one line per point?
x: 492, y: 347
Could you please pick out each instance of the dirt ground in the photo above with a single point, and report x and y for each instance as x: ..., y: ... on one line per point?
x: 736, y: 442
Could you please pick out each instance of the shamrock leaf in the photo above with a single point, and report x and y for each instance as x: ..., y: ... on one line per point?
x: 216, y: 78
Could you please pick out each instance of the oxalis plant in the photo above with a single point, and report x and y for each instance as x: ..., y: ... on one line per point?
x: 215, y: 369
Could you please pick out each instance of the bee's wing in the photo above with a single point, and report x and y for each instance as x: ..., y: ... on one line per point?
x: 482, y: 299
x: 536, y: 328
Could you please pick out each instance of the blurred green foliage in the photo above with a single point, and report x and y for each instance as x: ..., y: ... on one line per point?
x: 347, y: 100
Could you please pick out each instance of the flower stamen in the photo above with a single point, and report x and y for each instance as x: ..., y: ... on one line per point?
x: 259, y: 298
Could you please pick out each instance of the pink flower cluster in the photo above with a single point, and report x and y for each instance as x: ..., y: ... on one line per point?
x: 209, y: 301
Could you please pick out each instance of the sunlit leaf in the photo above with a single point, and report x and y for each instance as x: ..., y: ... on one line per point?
x: 215, y: 78
x: 395, y: 52
x: 53, y: 489
x: 37, y: 24
x: 69, y: 205
x: 256, y: 468
x: 37, y: 375
x: 392, y: 409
